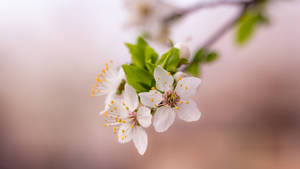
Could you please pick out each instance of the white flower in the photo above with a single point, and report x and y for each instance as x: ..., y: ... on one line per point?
x: 171, y: 101
x: 108, y: 82
x: 131, y: 118
x: 184, y: 50
x: 149, y: 16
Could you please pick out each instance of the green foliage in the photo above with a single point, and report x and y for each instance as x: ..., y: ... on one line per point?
x: 137, y: 52
x: 150, y: 59
x: 248, y: 24
x: 140, y: 79
x: 200, y: 57
x: 170, y: 60
x: 139, y: 73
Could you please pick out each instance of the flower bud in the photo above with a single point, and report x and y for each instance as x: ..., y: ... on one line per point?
x: 184, y: 50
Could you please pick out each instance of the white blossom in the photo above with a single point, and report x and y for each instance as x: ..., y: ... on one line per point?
x: 107, y: 82
x: 171, y: 101
x: 129, y: 119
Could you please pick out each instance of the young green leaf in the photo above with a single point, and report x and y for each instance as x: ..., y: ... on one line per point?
x: 247, y: 25
x: 137, y: 52
x: 138, y: 78
x: 193, y: 68
x: 170, y: 60
x: 150, y: 59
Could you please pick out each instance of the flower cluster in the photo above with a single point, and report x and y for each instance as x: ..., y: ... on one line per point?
x: 149, y: 86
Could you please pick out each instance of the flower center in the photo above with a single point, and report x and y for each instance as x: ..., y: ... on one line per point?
x: 171, y: 98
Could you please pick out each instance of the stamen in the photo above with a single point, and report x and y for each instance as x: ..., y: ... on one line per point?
x: 185, y: 87
x: 152, y: 99
x: 176, y: 107
x: 169, y: 73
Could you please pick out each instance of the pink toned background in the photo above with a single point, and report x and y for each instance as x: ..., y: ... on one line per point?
x: 51, y: 51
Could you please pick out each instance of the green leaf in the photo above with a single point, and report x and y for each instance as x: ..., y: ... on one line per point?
x: 201, y: 56
x: 170, y: 60
x: 247, y: 25
x: 138, y: 78
x: 193, y: 68
x: 150, y: 59
x: 137, y: 52
x: 212, y: 56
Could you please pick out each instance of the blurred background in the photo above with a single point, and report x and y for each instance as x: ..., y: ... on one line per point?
x: 52, y: 50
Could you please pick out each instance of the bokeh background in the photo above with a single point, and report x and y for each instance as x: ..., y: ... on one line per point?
x: 51, y: 51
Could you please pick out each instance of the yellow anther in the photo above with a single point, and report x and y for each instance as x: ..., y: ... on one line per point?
x: 92, y: 95
x: 126, y: 108
x: 124, y: 121
x: 106, y: 67
x: 185, y: 87
x: 152, y: 100
x: 153, y: 88
x: 105, y: 113
x: 125, y: 136
x: 98, y: 79
x: 114, y: 131
x: 103, y: 70
x: 112, y: 102
x: 169, y: 73
x: 110, y: 61
x: 123, y: 131
x: 123, y: 103
x: 132, y: 126
x: 179, y: 78
x: 122, y: 138
x: 176, y: 107
x: 115, y: 128
x: 187, y: 102
x: 180, y: 101
x: 105, y: 125
x: 166, y: 106
x: 116, y: 118
x: 117, y: 137
x: 158, y: 78
x: 115, y: 108
x: 119, y: 120
x: 155, y: 92
x: 155, y: 105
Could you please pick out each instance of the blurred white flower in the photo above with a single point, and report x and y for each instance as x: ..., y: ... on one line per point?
x: 108, y: 82
x: 171, y: 101
x: 184, y: 50
x: 149, y: 16
x: 130, y: 119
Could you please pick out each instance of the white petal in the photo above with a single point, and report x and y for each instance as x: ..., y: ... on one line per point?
x: 163, y: 119
x: 130, y: 97
x: 164, y: 80
x: 151, y: 99
x: 144, y: 116
x: 125, y: 133
x: 188, y: 111
x: 140, y: 139
x: 187, y: 86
